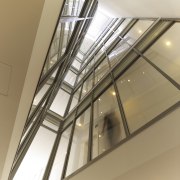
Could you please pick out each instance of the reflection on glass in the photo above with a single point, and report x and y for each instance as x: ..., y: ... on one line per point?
x: 57, y: 167
x: 145, y: 93
x: 75, y: 99
x: 79, y: 148
x: 101, y: 70
x: 87, y: 86
x: 36, y: 158
x: 108, y: 128
x: 165, y: 53
x: 137, y: 30
x: 60, y: 102
x: 120, y: 49
x: 70, y: 78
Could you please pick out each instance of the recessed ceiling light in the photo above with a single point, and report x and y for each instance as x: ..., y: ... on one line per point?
x: 101, y: 112
x: 140, y: 31
x: 99, y: 99
x: 168, y: 43
x: 129, y: 80
x: 113, y: 93
x: 51, y: 62
x: 100, y: 135
x: 143, y: 72
x: 79, y: 124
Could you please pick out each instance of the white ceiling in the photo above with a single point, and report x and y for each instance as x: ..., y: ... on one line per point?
x: 141, y: 8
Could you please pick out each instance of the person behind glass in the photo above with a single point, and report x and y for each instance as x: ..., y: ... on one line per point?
x: 111, y: 129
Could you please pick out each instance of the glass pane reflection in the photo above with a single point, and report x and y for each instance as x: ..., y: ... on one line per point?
x: 137, y: 30
x: 145, y: 93
x: 79, y: 149
x: 165, y: 53
x: 108, y: 129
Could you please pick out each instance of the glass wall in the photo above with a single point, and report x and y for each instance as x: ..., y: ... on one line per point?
x: 79, y: 148
x: 70, y: 78
x: 60, y: 102
x: 107, y: 125
x: 137, y: 30
x: 87, y: 86
x: 75, y: 99
x: 165, y: 53
x: 117, y: 88
x: 101, y: 70
x: 57, y: 167
x: 35, y: 160
x: 145, y: 93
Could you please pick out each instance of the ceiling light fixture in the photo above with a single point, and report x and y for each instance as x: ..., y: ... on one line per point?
x: 79, y: 124
x: 168, y: 43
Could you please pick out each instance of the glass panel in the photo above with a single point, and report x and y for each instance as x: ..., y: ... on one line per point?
x: 81, y: 75
x: 99, y: 54
x: 118, y: 52
x: 53, y: 52
x: 101, y: 70
x: 80, y: 56
x: 107, y: 127
x: 98, y: 24
x: 50, y: 124
x: 137, y: 30
x: 145, y: 93
x: 79, y: 148
x: 36, y: 158
x: 29, y: 128
x: 40, y: 94
x: 117, y: 32
x: 60, y: 102
x: 76, y: 64
x: 87, y: 86
x: 165, y: 53
x: 57, y: 167
x: 70, y: 78
x: 75, y: 99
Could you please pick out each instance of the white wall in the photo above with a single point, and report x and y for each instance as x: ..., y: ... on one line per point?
x: 141, y: 8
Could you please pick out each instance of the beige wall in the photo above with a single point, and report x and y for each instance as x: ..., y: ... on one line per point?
x: 164, y: 167
x: 19, y: 21
x: 26, y: 31
x: 157, y: 143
